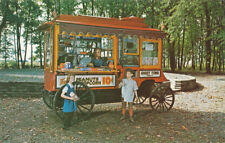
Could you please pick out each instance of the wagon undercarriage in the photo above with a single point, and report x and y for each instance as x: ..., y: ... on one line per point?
x: 161, y: 98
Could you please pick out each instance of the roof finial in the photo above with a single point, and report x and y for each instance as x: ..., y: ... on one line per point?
x: 162, y: 26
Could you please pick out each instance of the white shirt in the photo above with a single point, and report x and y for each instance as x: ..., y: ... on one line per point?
x: 128, y: 88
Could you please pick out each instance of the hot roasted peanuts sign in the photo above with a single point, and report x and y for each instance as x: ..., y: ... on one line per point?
x: 96, y: 80
x: 90, y: 80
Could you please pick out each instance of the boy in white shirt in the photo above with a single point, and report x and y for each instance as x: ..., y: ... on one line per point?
x: 129, y: 88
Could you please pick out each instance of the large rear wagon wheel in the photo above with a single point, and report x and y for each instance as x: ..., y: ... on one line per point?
x: 48, y: 98
x: 84, y: 105
x: 139, y: 99
x: 162, y: 98
x: 86, y: 102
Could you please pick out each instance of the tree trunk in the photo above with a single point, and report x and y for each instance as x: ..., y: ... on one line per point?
x: 5, y: 49
x: 184, y: 62
x: 92, y: 7
x: 84, y: 7
x: 19, y: 44
x: 40, y: 45
x: 223, y: 57
x: 4, y: 18
x: 192, y: 55
x: 208, y: 40
x: 178, y: 54
x: 172, y: 56
x: 220, y: 51
x: 214, y: 53
x: 18, y: 32
x: 201, y: 54
x: 31, y: 52
x: 217, y: 57
x: 25, y: 52
x: 14, y: 39
x: 152, y: 13
x: 182, y: 49
x: 59, y: 7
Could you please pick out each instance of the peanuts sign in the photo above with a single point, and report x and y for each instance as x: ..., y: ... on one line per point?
x: 90, y: 80
x: 96, y: 80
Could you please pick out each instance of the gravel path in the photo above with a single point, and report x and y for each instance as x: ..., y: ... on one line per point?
x: 209, y: 97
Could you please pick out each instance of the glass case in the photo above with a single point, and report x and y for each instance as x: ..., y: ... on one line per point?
x: 79, y: 52
x: 150, y: 53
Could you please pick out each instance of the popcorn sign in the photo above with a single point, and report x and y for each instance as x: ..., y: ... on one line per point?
x: 96, y: 80
x: 90, y: 80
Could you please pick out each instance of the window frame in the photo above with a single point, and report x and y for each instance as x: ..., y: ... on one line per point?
x: 159, y: 65
x: 138, y: 41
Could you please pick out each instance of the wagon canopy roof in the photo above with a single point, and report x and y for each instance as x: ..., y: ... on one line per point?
x: 107, y: 26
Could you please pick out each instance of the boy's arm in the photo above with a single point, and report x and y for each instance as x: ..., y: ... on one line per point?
x: 121, y: 84
x: 135, y: 92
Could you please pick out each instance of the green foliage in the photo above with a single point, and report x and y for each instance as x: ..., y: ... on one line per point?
x: 185, y: 24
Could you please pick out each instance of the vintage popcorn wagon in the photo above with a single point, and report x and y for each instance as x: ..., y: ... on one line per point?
x: 70, y: 42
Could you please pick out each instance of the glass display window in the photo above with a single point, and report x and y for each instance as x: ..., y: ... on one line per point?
x: 130, y: 45
x: 47, y: 49
x: 79, y: 51
x: 128, y: 51
x: 150, y: 53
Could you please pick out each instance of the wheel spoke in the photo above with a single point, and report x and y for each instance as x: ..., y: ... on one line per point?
x: 162, y: 98
x: 162, y: 106
x: 154, y: 100
x: 139, y: 99
x: 167, y: 103
x: 85, y: 108
x: 84, y: 105
x: 170, y: 96
x: 80, y: 109
x: 165, y: 106
x: 83, y: 94
x: 155, y: 104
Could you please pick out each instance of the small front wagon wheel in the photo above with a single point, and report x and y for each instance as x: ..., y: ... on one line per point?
x: 162, y: 98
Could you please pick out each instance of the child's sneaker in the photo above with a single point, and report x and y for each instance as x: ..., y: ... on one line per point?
x: 132, y: 119
x: 122, y: 118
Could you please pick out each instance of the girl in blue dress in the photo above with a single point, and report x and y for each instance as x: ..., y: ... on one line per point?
x: 69, y: 105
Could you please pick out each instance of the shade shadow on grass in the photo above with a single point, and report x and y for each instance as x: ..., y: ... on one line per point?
x: 175, y: 125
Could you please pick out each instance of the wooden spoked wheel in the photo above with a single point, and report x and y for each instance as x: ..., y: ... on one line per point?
x: 58, y: 103
x: 47, y: 98
x: 86, y: 102
x: 84, y: 105
x: 162, y: 98
x: 139, y: 99
x: 144, y: 92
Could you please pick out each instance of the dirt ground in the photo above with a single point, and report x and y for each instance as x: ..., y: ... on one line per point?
x: 197, y: 117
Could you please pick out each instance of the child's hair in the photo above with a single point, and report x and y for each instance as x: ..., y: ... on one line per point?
x: 68, y: 78
x: 129, y: 70
x: 97, y: 49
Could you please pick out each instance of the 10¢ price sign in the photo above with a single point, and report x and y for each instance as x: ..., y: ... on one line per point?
x: 90, y: 80
x: 96, y: 80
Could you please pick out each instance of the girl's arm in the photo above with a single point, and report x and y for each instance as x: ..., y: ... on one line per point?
x: 66, y: 97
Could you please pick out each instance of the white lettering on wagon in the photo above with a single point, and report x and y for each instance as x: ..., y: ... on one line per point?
x: 90, y: 80
x: 96, y: 80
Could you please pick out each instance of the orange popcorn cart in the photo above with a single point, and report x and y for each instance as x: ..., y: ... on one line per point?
x: 124, y: 43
